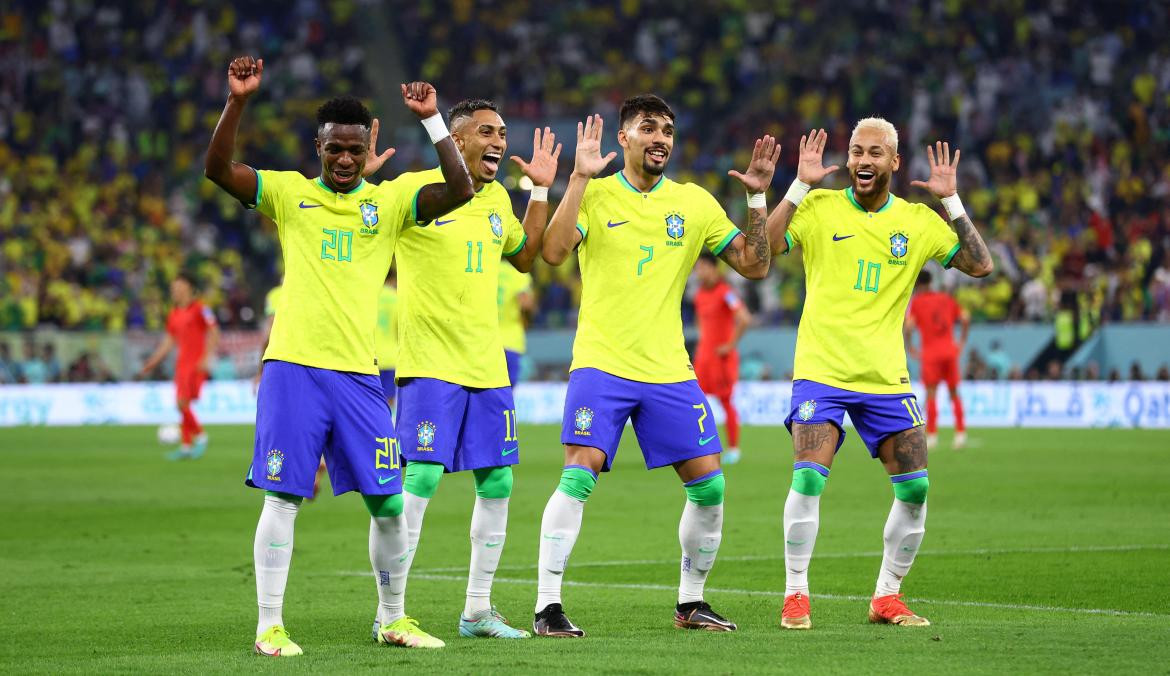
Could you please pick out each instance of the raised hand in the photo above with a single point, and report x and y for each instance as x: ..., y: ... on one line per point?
x: 374, y: 161
x: 421, y: 98
x: 758, y: 177
x: 810, y: 167
x: 542, y: 168
x: 588, y: 161
x: 944, y: 174
x: 244, y: 75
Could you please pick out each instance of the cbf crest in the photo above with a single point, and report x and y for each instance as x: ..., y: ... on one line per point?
x: 674, y: 225
x: 497, y: 224
x: 426, y: 435
x: 583, y: 420
x: 806, y: 410
x: 369, y: 213
x: 899, y: 244
x: 274, y: 463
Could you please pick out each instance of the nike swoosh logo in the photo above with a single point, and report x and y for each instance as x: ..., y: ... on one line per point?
x: 838, y: 239
x: 704, y: 442
x: 278, y: 545
x: 489, y: 545
x: 383, y: 480
x: 554, y: 537
x: 310, y: 206
x: 708, y: 551
x: 438, y: 223
x: 795, y: 543
x: 509, y: 451
x: 614, y: 225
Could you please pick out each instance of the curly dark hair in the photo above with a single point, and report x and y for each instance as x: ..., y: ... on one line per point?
x: 344, y: 110
x: 643, y: 103
x: 468, y: 106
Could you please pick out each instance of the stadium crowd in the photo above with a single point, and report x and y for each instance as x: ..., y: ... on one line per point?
x: 105, y: 113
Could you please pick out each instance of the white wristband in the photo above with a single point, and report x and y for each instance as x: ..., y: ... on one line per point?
x: 954, y: 207
x: 539, y: 194
x: 436, y: 127
x: 797, y: 191
x: 756, y: 201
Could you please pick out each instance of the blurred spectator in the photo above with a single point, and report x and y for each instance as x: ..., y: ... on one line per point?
x: 223, y: 368
x: 9, y: 371
x: 33, y: 369
x: 1135, y: 371
x: 52, y: 364
x: 999, y: 362
x: 1163, y: 373
x: 88, y: 368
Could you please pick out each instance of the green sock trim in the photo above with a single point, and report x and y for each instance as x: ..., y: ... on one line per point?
x: 707, y: 493
x: 912, y: 491
x: 808, y: 481
x: 422, y: 478
x: 577, y: 483
x: 384, y: 505
x: 285, y: 496
x: 493, y: 482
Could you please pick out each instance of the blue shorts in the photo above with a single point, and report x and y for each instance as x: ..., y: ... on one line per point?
x: 459, y: 427
x: 303, y: 412
x: 513, y: 359
x: 388, y: 386
x: 875, y: 416
x: 672, y: 421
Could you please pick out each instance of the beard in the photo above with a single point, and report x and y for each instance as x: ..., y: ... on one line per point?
x: 653, y: 170
x: 881, y: 181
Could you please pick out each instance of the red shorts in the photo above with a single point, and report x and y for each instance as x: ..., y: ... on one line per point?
x: 938, y: 368
x: 188, y: 383
x: 717, y: 375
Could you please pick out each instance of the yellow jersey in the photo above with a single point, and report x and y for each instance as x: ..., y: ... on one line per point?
x: 386, y: 340
x: 271, y: 300
x: 859, y: 270
x: 512, y: 284
x: 637, y: 250
x: 448, y: 281
x: 337, y: 249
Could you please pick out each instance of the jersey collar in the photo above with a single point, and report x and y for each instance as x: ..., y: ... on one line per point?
x: 854, y: 202
x: 626, y: 182
x: 361, y: 184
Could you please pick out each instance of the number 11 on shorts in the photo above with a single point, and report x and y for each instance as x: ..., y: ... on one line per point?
x: 916, y: 416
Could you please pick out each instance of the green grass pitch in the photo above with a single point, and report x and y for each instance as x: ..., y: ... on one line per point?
x: 1046, y: 551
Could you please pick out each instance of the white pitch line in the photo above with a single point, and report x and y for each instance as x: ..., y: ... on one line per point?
x: 840, y: 555
x: 834, y: 597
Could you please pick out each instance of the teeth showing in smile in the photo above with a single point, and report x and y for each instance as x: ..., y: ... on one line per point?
x: 660, y: 154
x: 865, y: 175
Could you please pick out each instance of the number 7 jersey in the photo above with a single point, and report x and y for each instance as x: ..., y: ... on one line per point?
x: 636, y: 252
x: 859, y: 271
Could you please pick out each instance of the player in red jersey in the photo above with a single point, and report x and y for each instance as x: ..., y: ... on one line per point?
x: 935, y: 313
x: 722, y: 319
x: 191, y: 326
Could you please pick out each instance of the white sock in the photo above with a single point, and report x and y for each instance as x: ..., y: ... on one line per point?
x: 489, y: 525
x: 558, y: 533
x: 413, y: 510
x: 272, y: 554
x: 699, y: 531
x: 902, y: 538
x: 388, y: 548
x: 802, y: 518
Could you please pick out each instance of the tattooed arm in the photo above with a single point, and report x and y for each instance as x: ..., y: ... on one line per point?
x: 973, y: 256
x: 751, y: 255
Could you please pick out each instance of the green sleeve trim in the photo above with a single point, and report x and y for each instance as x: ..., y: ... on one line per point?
x: 259, y: 190
x: 414, y: 205
x: 518, y: 249
x: 947, y: 261
x: 788, y: 240
x: 726, y: 240
x: 581, y: 230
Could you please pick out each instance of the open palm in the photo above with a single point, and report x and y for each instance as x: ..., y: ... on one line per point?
x: 810, y: 167
x: 758, y: 176
x: 542, y: 168
x: 374, y: 160
x: 588, y: 161
x: 944, y: 174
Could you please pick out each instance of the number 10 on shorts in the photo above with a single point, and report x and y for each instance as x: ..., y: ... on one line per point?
x: 387, y: 450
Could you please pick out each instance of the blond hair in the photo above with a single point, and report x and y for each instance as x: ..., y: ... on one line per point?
x: 888, y: 131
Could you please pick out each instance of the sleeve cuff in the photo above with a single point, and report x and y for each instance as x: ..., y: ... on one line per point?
x: 259, y: 191
x: 581, y: 230
x: 414, y: 206
x: 788, y: 240
x: 946, y: 262
x: 518, y: 249
x: 726, y: 240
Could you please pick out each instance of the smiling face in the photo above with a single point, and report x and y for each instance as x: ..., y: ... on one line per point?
x: 482, y: 138
x: 872, y: 162
x: 648, y: 139
x: 343, y: 149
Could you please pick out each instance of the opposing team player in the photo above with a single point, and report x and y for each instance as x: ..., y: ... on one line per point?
x: 722, y: 318
x: 319, y: 392
x: 862, y: 249
x: 934, y: 314
x: 638, y: 234
x: 455, y: 410
x: 190, y: 326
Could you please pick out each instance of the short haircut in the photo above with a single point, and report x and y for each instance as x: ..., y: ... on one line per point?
x: 467, y: 108
x: 924, y: 278
x: 344, y: 110
x: 643, y: 104
x: 189, y: 278
x: 888, y: 131
x: 709, y: 257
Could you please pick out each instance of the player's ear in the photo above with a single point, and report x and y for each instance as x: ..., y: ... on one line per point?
x: 317, y: 144
x: 623, y: 140
x: 897, y: 161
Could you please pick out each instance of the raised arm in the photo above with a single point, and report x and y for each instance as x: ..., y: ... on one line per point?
x: 562, y: 235
x: 237, y: 178
x: 810, y: 170
x: 436, y: 199
x: 542, y: 170
x: 750, y: 255
x: 973, y: 257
